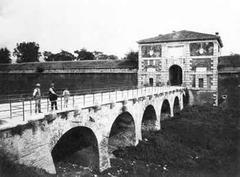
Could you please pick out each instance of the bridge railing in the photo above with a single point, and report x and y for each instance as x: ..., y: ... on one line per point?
x: 24, y: 109
x: 23, y: 94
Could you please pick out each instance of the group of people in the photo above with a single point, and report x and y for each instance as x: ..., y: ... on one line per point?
x: 52, y: 97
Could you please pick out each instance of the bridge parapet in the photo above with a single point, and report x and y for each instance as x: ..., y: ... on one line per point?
x: 21, y: 111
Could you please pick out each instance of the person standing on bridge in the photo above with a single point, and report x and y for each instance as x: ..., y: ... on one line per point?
x: 37, y: 98
x: 53, y: 97
x: 66, y: 95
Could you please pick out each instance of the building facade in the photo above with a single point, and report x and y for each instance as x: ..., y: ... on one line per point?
x: 184, y: 58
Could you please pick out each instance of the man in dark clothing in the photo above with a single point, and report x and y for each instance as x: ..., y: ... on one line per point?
x: 53, y: 96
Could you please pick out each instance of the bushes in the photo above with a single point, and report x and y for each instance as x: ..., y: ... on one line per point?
x: 10, y: 169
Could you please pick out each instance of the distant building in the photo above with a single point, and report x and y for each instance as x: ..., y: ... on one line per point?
x: 182, y: 58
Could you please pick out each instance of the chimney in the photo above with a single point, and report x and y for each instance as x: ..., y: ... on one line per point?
x: 216, y: 33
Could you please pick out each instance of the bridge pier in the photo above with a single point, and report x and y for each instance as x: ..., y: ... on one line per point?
x: 28, y: 145
x: 104, y: 161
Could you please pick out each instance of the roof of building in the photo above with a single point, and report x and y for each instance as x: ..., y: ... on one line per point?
x: 183, y: 35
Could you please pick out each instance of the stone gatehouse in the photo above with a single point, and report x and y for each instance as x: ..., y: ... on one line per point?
x: 182, y: 58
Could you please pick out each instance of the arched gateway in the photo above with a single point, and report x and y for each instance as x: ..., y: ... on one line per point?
x: 175, y: 75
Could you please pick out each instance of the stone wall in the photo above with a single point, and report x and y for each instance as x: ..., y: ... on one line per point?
x: 24, y: 83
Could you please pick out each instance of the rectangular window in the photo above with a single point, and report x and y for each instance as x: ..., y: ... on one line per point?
x: 151, y: 62
x: 193, y: 81
x: 200, y: 82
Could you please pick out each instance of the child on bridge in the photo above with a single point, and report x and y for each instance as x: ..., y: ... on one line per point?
x: 37, y: 98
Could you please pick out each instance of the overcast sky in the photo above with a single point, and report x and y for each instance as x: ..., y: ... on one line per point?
x: 114, y: 26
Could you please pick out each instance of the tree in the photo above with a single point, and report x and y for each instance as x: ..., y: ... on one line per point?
x: 112, y: 57
x: 132, y: 57
x: 83, y: 54
x: 5, y: 55
x: 48, y: 56
x: 101, y: 56
x: 61, y: 56
x: 27, y: 52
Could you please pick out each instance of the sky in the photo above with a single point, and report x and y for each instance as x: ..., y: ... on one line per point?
x: 114, y: 26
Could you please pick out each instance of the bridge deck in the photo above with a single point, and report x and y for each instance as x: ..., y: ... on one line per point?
x: 20, y: 112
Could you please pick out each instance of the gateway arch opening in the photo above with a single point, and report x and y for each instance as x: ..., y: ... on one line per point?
x: 175, y: 75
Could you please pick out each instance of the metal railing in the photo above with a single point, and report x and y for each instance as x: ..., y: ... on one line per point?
x: 24, y: 94
x: 24, y: 109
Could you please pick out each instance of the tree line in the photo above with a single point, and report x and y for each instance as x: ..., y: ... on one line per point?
x: 29, y: 52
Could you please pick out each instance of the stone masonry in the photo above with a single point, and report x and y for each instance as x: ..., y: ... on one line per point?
x: 192, y: 56
x: 31, y: 143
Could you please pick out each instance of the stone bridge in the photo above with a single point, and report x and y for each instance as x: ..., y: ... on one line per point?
x: 115, y: 120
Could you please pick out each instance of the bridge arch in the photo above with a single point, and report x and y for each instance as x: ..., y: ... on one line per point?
x: 165, y: 110
x: 78, y: 145
x: 185, y: 97
x: 122, y: 132
x: 149, y: 120
x: 176, y: 105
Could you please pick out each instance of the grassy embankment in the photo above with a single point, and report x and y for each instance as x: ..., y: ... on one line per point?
x: 202, y: 141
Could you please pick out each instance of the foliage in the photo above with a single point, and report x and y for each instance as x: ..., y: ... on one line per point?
x: 101, y: 56
x: 5, y: 55
x: 132, y: 56
x: 201, y: 139
x: 61, y: 56
x: 27, y: 52
x: 131, y: 59
x: 112, y: 57
x: 83, y: 54
x: 10, y: 169
x: 230, y: 86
